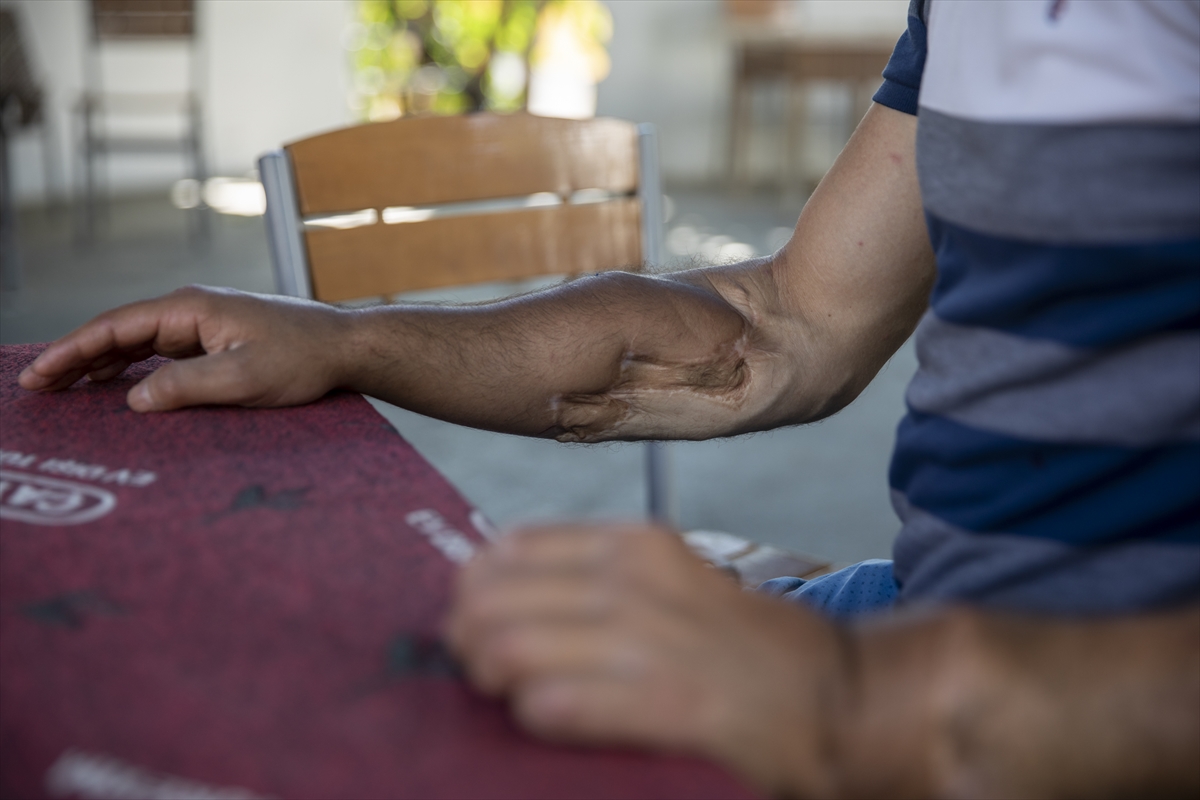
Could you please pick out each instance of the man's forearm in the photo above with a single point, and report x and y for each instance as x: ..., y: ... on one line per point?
x: 781, y: 340
x: 613, y: 356
x: 968, y: 704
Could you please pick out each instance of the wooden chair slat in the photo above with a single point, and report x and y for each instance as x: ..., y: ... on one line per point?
x: 143, y: 19
x: 433, y: 160
x: 383, y: 259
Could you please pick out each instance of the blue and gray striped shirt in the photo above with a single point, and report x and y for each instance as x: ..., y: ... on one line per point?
x: 1050, y: 457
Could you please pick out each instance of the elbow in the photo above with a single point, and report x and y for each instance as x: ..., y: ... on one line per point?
x: 656, y: 396
x: 682, y: 369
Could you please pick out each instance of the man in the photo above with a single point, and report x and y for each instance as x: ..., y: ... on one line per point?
x: 1047, y: 474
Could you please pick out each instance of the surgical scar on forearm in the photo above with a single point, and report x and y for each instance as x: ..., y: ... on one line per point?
x: 653, y: 395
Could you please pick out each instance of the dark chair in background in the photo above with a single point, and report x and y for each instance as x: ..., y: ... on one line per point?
x: 22, y: 109
x: 120, y: 23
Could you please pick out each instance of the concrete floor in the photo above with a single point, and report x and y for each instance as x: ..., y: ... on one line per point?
x: 820, y: 488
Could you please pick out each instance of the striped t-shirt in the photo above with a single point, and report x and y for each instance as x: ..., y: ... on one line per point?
x: 1050, y: 457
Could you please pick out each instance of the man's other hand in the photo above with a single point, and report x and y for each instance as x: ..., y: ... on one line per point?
x: 619, y: 635
x: 232, y: 348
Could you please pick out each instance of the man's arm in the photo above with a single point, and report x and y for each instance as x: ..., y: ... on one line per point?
x: 621, y: 636
x: 784, y: 339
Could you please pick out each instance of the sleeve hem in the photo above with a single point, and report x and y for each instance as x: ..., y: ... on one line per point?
x: 898, y: 96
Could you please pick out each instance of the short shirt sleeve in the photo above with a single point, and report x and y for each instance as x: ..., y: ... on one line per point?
x: 902, y: 75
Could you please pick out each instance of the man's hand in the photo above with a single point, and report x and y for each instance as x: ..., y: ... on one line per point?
x: 233, y: 349
x: 620, y: 635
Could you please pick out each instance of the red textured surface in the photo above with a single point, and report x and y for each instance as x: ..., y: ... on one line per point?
x: 242, y: 621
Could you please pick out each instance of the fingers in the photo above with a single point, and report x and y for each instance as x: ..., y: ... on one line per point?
x: 110, y: 365
x: 218, y: 378
x: 521, y: 605
x: 559, y: 547
x: 581, y: 572
x: 619, y: 635
x: 558, y: 599
x: 512, y: 656
x: 167, y: 325
x: 487, y: 603
x: 618, y: 548
x: 598, y: 709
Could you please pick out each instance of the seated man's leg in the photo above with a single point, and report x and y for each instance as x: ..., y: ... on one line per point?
x: 863, y: 588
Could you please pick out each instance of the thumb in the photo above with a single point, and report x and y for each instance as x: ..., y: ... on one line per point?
x: 215, y: 379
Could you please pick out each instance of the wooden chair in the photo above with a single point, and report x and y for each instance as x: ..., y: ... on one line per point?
x: 426, y: 202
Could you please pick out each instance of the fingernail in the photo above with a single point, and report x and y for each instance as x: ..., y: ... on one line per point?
x: 139, y: 398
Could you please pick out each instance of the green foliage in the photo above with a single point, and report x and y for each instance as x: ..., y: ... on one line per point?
x: 455, y: 56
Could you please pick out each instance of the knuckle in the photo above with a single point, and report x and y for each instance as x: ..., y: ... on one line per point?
x: 473, y: 611
x: 163, y: 386
x: 190, y: 292
x: 511, y: 650
x: 196, y: 297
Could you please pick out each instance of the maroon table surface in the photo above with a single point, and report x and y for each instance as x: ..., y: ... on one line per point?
x: 221, y: 603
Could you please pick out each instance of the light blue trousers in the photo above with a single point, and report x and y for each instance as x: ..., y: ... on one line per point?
x: 863, y: 588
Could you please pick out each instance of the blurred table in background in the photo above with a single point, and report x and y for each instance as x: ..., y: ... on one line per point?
x: 769, y: 47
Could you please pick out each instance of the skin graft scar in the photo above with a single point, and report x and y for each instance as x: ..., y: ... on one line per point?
x: 643, y: 383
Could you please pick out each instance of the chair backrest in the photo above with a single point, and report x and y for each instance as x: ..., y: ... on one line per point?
x: 143, y: 19
x: 138, y: 29
x: 425, y: 202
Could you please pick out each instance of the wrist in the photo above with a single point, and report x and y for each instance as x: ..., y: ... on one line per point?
x: 908, y: 679
x: 349, y: 339
x: 792, y: 746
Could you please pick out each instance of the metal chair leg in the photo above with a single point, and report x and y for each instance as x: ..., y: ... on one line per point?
x: 51, y: 174
x: 86, y: 231
x: 660, y: 495
x: 201, y: 228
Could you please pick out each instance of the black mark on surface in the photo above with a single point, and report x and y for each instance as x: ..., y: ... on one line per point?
x: 70, y: 610
x: 419, y: 655
x: 258, y: 497
x: 411, y: 656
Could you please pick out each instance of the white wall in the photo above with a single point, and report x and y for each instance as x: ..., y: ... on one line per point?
x: 278, y: 72
x: 671, y: 66
x: 272, y: 71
